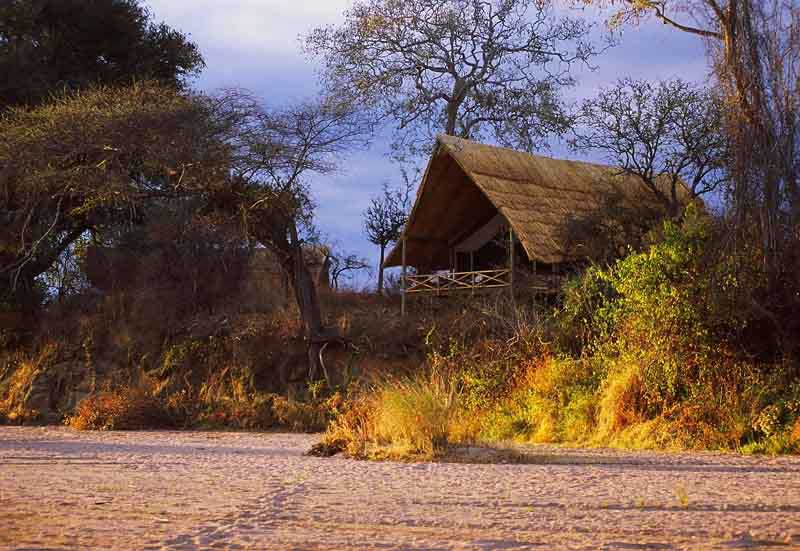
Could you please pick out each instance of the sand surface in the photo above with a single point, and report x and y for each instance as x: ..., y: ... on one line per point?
x: 61, y: 489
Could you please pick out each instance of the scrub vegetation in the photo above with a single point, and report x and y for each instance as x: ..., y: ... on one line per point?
x: 160, y: 266
x: 652, y: 351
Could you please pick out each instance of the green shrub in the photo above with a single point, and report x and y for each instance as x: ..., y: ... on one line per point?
x: 651, y: 358
x: 587, y: 312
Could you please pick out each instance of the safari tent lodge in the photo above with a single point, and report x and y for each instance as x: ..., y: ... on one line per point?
x: 485, y: 215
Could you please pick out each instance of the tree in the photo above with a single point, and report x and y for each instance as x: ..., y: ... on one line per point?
x: 84, y: 164
x: 478, y: 69
x: 753, y: 47
x: 384, y: 220
x: 47, y: 46
x: 757, y: 68
x: 274, y: 152
x: 342, y: 263
x: 666, y: 135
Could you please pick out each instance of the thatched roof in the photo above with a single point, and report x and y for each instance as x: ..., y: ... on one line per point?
x: 466, y: 184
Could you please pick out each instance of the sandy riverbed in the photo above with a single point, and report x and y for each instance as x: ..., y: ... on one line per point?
x: 61, y: 489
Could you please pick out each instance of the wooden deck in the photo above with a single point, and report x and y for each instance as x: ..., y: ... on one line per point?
x: 443, y: 283
x: 448, y: 282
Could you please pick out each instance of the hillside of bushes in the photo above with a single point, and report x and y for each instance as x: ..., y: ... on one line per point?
x: 659, y: 350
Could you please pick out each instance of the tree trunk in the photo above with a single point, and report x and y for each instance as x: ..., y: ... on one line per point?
x: 452, y: 115
x: 305, y: 292
x: 380, y: 270
x: 454, y: 104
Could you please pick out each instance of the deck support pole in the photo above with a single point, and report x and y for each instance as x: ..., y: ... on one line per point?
x: 472, y: 269
x: 511, y: 260
x: 403, y: 282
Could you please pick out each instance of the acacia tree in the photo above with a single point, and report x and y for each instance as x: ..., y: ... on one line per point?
x: 82, y: 164
x: 384, y: 220
x: 665, y: 134
x: 342, y: 263
x: 480, y: 69
x: 47, y: 46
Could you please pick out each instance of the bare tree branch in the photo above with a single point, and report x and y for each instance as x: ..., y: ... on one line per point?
x: 667, y: 132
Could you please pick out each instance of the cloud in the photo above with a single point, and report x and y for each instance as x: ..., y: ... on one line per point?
x: 267, y: 25
x: 254, y: 44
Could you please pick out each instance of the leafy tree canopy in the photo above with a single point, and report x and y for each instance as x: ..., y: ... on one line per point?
x: 669, y: 135
x: 50, y: 45
x: 91, y: 161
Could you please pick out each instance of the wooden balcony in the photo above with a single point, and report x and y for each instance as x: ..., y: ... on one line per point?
x: 443, y: 283
x: 448, y: 282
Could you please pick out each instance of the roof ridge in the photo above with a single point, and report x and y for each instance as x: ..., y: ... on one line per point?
x: 448, y: 141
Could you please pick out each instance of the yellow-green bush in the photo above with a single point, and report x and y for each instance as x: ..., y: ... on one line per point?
x: 553, y: 401
x: 659, y: 326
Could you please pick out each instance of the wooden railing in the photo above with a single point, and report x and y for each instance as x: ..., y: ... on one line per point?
x: 447, y: 282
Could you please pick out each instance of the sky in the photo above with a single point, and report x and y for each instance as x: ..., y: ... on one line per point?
x: 255, y: 45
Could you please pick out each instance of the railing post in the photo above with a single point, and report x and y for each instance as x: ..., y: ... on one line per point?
x: 403, y: 282
x: 511, y: 260
x: 472, y: 270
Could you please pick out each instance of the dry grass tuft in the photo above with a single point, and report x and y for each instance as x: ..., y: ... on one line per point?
x: 418, y: 418
x: 18, y: 383
x: 415, y: 417
x: 304, y: 416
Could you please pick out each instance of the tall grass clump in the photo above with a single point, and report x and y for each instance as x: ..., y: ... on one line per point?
x: 20, y: 395
x: 471, y: 360
x: 417, y: 417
